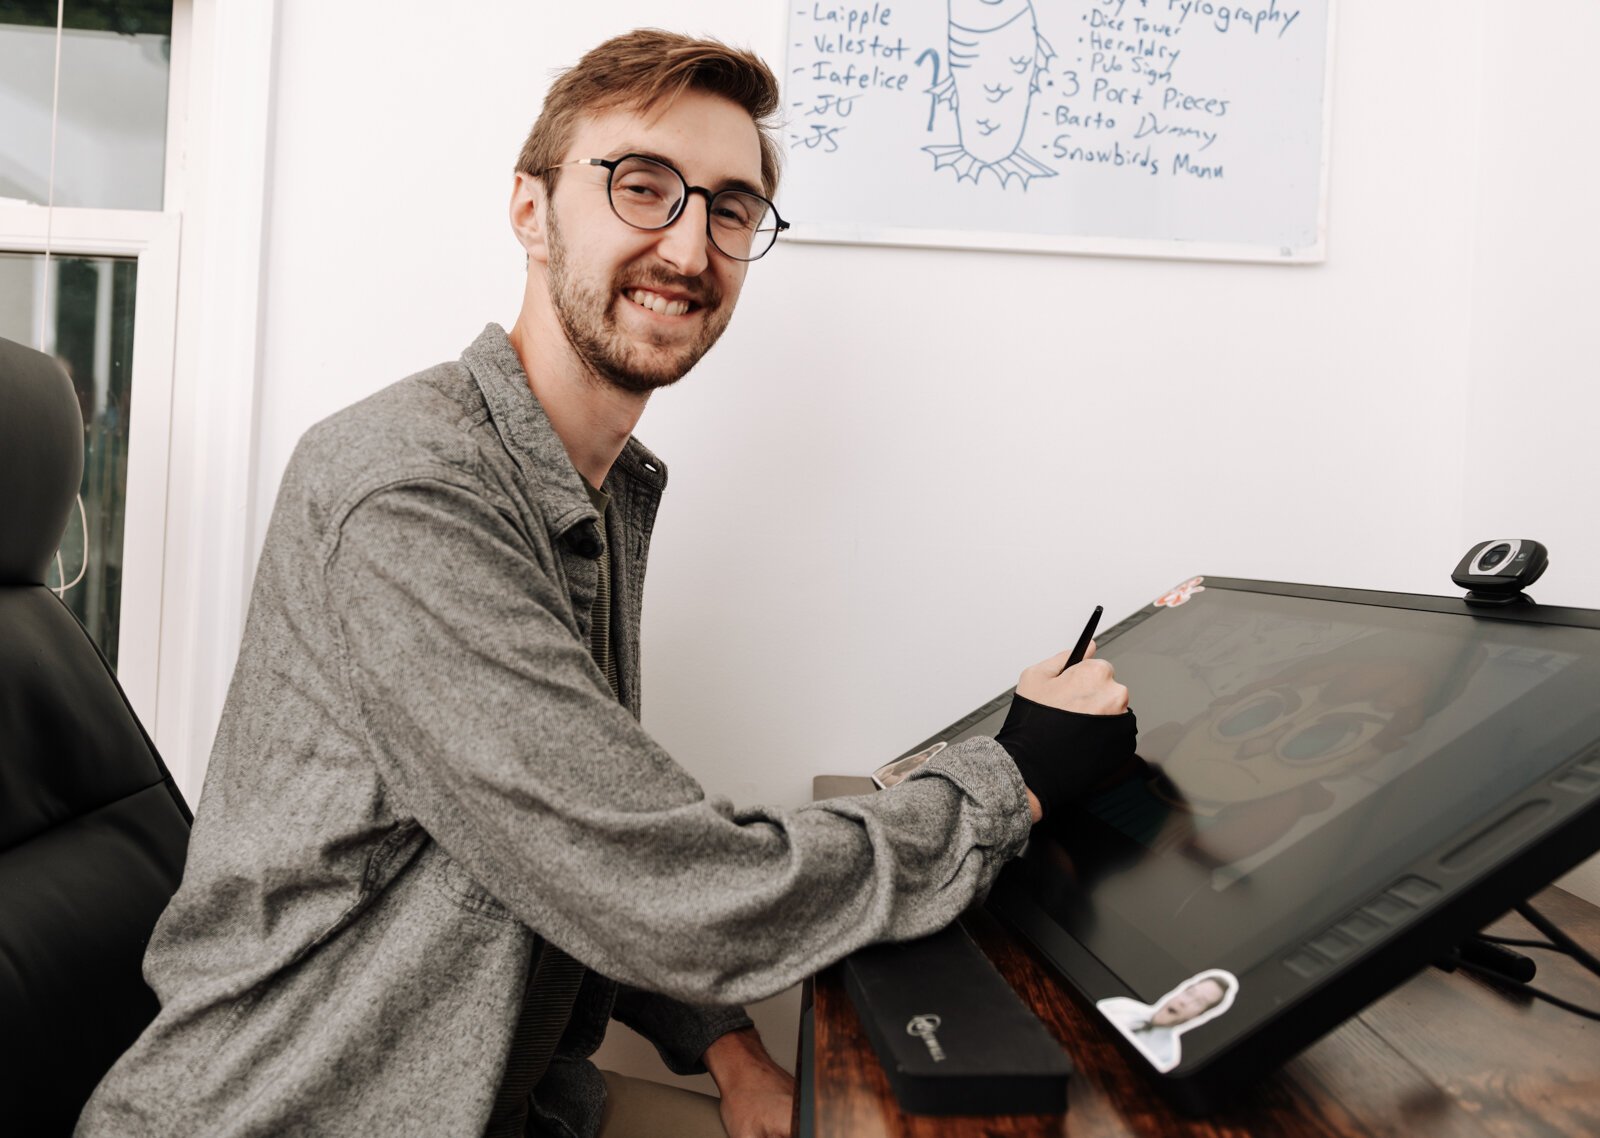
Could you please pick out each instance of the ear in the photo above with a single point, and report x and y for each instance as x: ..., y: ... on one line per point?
x: 529, y: 211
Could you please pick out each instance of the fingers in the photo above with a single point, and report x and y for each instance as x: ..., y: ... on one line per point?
x: 1052, y: 666
x: 1113, y: 699
x: 1088, y: 687
x: 1101, y: 668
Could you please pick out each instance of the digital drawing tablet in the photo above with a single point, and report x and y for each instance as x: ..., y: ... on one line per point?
x: 1333, y: 789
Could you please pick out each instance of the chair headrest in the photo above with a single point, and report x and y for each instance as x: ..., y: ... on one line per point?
x: 41, y: 461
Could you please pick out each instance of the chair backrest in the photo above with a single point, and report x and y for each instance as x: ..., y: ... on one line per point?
x: 93, y: 830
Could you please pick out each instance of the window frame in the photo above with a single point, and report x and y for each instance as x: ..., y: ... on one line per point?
x: 196, y: 367
x: 151, y: 239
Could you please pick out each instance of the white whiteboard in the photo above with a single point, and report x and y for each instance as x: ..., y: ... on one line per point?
x: 1166, y: 128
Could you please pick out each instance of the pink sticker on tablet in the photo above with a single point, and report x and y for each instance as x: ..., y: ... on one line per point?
x: 1172, y: 598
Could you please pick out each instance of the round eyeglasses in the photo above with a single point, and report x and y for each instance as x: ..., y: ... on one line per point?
x: 648, y: 194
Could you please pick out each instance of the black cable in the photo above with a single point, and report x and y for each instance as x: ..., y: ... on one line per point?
x: 1527, y: 989
x: 1518, y: 942
x: 1571, y: 947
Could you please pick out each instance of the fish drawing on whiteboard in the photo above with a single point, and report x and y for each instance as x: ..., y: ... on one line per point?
x: 994, y: 60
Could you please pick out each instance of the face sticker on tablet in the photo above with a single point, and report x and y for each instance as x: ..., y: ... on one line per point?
x: 1156, y: 1029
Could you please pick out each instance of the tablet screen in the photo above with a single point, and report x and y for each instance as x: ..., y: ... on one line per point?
x: 1293, y: 754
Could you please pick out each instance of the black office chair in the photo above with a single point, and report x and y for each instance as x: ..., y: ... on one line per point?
x: 92, y: 828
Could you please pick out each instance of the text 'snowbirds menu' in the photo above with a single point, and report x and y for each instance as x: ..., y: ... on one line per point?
x: 1164, y: 127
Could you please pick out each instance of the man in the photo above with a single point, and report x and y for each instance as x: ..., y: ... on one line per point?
x: 435, y: 850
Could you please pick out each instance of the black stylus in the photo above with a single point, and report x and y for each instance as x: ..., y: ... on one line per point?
x: 1082, y: 645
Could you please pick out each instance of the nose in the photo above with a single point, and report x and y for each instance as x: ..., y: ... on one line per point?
x: 684, y: 243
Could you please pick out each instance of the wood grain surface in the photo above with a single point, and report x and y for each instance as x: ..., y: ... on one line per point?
x: 1445, y: 1054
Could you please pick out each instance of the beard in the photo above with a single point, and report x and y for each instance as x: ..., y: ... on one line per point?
x: 587, y: 313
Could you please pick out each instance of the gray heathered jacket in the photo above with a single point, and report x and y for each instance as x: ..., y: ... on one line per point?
x: 420, y: 771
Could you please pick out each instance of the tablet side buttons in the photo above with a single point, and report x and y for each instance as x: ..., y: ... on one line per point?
x: 1365, y: 924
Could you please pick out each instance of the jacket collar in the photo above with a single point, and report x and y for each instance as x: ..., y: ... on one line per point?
x: 533, y: 443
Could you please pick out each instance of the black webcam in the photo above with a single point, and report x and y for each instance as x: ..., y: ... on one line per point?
x: 1496, y: 572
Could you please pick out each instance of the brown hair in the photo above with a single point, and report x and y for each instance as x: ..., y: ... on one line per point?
x: 642, y: 69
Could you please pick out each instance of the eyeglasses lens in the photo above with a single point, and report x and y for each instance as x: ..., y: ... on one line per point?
x: 742, y: 225
x: 646, y: 194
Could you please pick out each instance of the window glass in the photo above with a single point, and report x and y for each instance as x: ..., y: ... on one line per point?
x: 111, y: 135
x: 89, y: 330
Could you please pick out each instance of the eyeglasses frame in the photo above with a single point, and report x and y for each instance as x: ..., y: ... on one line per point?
x: 610, y: 166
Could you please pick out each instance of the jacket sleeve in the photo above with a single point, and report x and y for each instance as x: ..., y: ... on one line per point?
x: 491, y: 725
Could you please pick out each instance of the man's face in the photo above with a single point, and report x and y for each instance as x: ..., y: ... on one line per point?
x: 1195, y: 1000
x: 641, y: 307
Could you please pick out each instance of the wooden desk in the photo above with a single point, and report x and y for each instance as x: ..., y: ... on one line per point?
x: 1444, y: 1054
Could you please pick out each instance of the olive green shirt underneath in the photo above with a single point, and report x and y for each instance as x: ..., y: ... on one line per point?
x: 600, y: 614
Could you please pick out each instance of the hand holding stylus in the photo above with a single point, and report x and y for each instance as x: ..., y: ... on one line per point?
x: 1068, y: 725
x: 1089, y: 687
x: 1089, y: 691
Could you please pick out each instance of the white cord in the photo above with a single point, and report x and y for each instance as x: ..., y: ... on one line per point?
x: 50, y: 187
x: 83, y: 528
x: 83, y: 567
x: 44, y: 306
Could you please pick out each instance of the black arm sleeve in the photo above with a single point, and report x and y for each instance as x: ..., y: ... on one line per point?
x: 1063, y: 753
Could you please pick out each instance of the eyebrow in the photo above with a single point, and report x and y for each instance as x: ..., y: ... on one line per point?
x: 717, y: 187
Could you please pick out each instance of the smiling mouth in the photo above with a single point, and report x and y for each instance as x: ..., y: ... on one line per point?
x: 655, y: 302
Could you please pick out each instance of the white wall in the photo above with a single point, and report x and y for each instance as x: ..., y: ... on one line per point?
x: 1531, y: 463
x: 905, y: 474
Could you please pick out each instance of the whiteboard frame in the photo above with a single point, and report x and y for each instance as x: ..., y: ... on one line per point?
x: 1168, y: 249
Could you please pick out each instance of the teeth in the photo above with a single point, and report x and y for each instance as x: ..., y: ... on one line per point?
x: 655, y: 302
